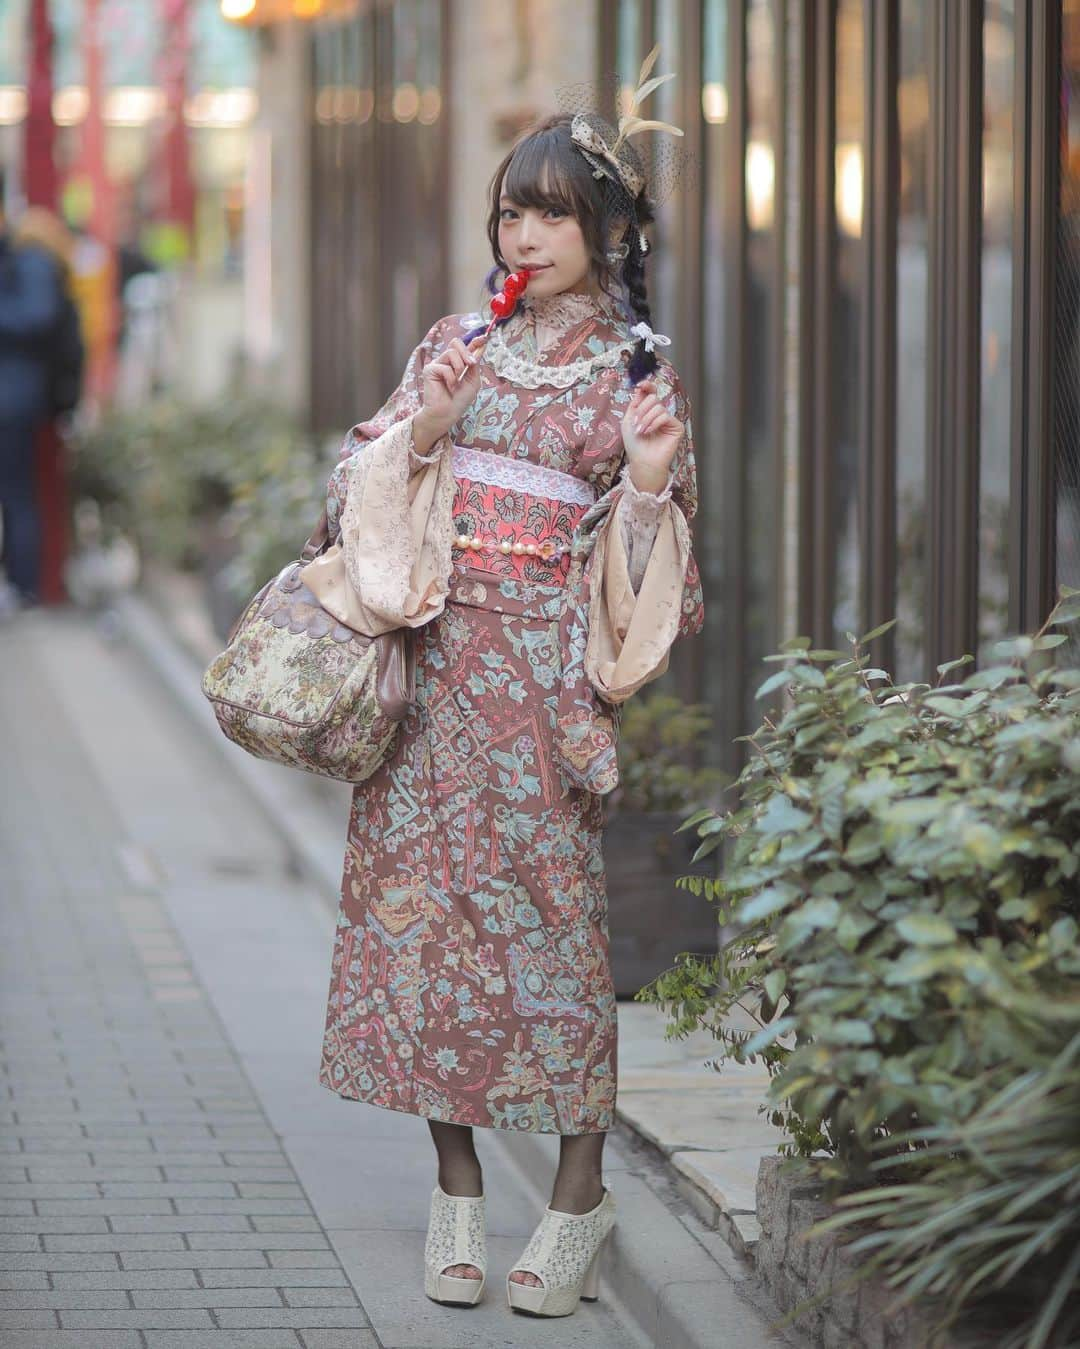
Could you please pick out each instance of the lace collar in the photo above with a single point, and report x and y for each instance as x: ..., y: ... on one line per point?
x: 553, y: 316
x: 514, y: 355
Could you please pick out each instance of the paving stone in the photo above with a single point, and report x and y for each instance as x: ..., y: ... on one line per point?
x: 144, y: 1319
x: 56, y: 1225
x: 27, y: 1320
x: 116, y: 1241
x: 126, y: 1278
x: 320, y: 1297
x: 56, y: 1261
x: 208, y: 1297
x: 264, y: 1241
x: 163, y: 1118
x: 285, y: 1222
x: 23, y: 1278
x: 216, y: 1259
x: 278, y: 1277
x: 299, y: 1318
x: 303, y: 1259
x: 71, y: 1339
x: 60, y: 1298
x: 338, y: 1339
x: 234, y: 1339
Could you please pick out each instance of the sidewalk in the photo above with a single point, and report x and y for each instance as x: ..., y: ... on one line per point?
x: 173, y: 1173
x: 705, y: 1125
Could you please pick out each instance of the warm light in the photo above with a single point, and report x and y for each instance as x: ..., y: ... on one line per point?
x: 70, y: 104
x: 12, y: 104
x: 760, y: 185
x: 221, y: 107
x: 324, y: 105
x: 430, y: 106
x: 406, y: 102
x: 714, y: 102
x: 849, y: 189
x: 264, y: 12
x: 133, y: 105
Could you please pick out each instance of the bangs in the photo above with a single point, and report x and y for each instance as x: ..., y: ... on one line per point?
x: 544, y: 173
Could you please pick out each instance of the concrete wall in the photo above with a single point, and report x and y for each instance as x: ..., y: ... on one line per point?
x: 507, y: 58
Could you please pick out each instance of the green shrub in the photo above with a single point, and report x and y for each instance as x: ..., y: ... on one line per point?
x: 166, y: 472
x: 657, y: 732
x: 903, y: 890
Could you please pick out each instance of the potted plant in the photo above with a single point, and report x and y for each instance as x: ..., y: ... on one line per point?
x: 650, y: 919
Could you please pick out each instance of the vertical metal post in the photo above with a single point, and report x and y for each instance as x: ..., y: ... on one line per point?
x: 953, y: 348
x: 877, y: 417
x: 817, y: 268
x: 1036, y: 190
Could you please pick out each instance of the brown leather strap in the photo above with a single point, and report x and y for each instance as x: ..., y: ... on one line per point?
x: 319, y: 540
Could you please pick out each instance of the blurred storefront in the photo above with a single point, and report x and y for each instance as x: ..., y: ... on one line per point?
x: 168, y: 87
x: 872, y: 283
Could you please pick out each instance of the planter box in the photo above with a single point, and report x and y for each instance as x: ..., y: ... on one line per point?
x: 847, y: 1314
x: 650, y: 920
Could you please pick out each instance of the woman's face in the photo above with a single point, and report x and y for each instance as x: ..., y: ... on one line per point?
x: 548, y: 243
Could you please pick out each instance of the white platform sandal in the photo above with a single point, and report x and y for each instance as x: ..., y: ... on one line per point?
x: 564, y: 1252
x: 456, y: 1235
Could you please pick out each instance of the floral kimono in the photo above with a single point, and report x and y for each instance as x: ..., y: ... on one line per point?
x: 470, y: 973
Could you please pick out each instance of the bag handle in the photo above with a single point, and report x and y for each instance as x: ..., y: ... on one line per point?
x: 318, y: 541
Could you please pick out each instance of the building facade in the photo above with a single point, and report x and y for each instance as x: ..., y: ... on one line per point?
x: 871, y: 280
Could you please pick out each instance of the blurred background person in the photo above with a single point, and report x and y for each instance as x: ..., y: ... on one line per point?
x: 31, y: 310
x: 41, y: 228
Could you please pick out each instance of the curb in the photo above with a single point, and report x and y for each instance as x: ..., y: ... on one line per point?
x: 678, y: 1275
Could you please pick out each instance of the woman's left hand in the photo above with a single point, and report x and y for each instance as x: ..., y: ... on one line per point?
x: 650, y: 434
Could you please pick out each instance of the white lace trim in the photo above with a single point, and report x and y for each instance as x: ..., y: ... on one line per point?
x: 533, y: 375
x: 521, y: 475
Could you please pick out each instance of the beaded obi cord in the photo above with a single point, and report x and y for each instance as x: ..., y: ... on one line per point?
x: 514, y: 519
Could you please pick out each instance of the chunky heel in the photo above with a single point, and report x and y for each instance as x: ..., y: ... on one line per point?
x: 590, y: 1288
x: 456, y: 1236
x: 564, y: 1252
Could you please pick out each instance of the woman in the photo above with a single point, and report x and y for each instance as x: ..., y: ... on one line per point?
x: 549, y: 474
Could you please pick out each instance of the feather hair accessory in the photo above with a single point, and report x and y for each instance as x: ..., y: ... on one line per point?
x: 608, y: 147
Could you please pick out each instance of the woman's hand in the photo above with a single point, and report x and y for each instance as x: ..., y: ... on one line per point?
x: 651, y: 436
x: 450, y: 383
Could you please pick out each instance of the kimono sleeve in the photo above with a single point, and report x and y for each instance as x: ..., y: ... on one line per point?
x: 389, y: 512
x: 632, y: 625
x: 403, y: 403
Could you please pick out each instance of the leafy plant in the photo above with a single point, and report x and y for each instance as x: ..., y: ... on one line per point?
x: 903, y: 891
x: 656, y: 735
x: 166, y: 472
x: 994, y: 1207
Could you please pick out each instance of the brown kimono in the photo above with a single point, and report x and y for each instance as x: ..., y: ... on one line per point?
x: 470, y: 976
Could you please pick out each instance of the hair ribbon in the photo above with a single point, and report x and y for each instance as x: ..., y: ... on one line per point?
x: 651, y: 339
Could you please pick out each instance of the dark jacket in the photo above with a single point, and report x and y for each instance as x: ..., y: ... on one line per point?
x: 31, y: 307
x: 68, y: 359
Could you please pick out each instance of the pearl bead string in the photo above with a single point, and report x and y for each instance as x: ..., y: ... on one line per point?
x: 546, y: 551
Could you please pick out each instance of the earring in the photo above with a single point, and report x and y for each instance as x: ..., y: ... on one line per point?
x: 615, y: 255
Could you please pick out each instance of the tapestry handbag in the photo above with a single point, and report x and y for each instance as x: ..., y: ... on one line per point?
x: 296, y: 686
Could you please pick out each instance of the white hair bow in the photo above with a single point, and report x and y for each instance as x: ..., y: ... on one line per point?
x: 650, y: 338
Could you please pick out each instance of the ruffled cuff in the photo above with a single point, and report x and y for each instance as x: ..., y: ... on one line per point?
x: 639, y: 519
x: 417, y: 461
x: 645, y: 506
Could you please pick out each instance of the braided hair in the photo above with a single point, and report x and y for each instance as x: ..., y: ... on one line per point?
x: 544, y: 168
x: 642, y: 362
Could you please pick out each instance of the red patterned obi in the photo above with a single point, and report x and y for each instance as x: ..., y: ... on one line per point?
x: 513, y: 519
